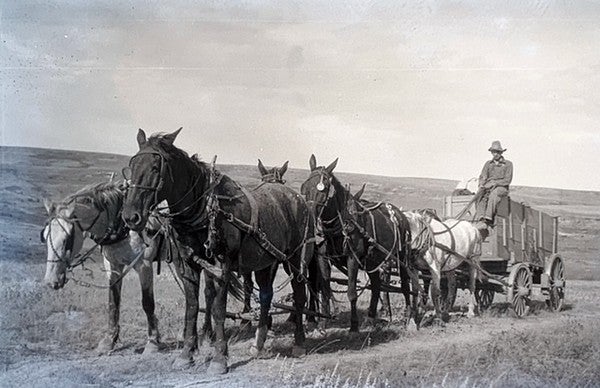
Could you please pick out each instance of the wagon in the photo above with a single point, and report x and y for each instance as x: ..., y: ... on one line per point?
x: 519, y: 257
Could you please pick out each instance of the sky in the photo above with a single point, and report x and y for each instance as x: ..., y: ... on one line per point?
x: 396, y: 88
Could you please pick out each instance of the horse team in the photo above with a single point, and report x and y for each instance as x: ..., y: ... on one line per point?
x: 218, y: 227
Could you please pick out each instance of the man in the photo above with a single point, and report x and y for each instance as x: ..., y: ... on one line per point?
x: 494, y: 180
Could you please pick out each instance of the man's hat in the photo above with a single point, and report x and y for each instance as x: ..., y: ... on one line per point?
x: 496, y: 146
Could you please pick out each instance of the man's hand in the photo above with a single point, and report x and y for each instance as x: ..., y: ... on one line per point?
x: 488, y: 185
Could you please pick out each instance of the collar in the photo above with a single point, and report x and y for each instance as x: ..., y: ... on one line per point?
x: 500, y: 161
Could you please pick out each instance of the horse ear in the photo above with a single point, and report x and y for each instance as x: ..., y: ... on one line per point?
x: 50, y: 206
x: 360, y: 192
x: 141, y: 137
x: 170, y: 138
x: 283, y: 168
x: 312, y: 162
x: 261, y: 168
x: 332, y: 166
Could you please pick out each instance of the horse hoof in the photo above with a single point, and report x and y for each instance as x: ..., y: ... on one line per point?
x: 445, y: 317
x: 311, y: 326
x: 254, y: 351
x: 105, y: 346
x: 439, y: 322
x: 317, y: 333
x: 411, y: 325
x: 151, y: 347
x: 217, y: 368
x: 183, y: 363
x: 298, y: 351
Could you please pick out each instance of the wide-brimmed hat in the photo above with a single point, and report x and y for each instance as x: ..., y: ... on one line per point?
x: 496, y: 146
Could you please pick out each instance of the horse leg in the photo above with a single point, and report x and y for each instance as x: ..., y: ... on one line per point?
x: 218, y: 364
x: 352, y: 294
x: 473, y: 303
x: 313, y: 287
x: 107, y: 343
x: 426, y: 286
x: 451, y: 290
x: 299, y: 289
x: 386, y: 306
x: 417, y: 301
x: 436, y: 293
x: 146, y: 282
x: 191, y: 284
x: 375, y: 278
x: 209, y: 297
x: 324, y: 287
x: 265, y: 296
x: 405, y: 286
x: 248, y: 290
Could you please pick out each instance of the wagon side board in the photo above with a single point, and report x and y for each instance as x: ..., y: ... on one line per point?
x: 521, y: 234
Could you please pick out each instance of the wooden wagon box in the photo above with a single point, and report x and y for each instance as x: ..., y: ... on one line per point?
x: 521, y: 234
x: 519, y: 255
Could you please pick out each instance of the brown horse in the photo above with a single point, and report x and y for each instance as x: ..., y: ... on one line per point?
x: 241, y: 231
x: 318, y: 266
x: 374, y: 237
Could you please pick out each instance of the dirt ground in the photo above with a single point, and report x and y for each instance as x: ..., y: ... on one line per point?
x: 47, y: 337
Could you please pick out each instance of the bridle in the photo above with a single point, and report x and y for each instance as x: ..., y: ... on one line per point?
x: 324, y: 176
x: 75, y: 222
x: 156, y: 189
x: 273, y: 177
x: 159, y: 186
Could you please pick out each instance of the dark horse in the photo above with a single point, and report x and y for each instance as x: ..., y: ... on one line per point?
x: 316, y: 267
x: 374, y: 237
x: 241, y: 231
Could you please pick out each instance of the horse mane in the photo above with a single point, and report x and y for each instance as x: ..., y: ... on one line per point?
x: 158, y: 140
x: 103, y: 196
x: 338, y: 186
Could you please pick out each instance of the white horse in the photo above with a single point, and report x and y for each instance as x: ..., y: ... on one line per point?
x: 441, y: 247
x: 95, y: 212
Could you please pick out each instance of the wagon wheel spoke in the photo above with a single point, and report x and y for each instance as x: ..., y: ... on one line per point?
x: 485, y: 298
x: 520, y: 289
x: 556, y: 295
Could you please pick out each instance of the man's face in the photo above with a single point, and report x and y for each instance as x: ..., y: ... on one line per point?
x: 496, y: 155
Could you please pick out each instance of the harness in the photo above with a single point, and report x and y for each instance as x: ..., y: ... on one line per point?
x: 346, y: 226
x: 273, y: 177
x: 206, y: 218
x: 112, y: 235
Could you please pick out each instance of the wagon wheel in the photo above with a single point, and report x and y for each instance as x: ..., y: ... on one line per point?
x: 485, y: 298
x: 556, y: 275
x: 519, y: 289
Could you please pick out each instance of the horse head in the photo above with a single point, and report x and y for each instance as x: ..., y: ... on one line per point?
x: 63, y: 239
x: 150, y: 176
x: 319, y: 188
x: 273, y: 175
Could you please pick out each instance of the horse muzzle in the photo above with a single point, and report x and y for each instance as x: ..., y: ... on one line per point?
x: 134, y: 220
x: 57, y: 282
